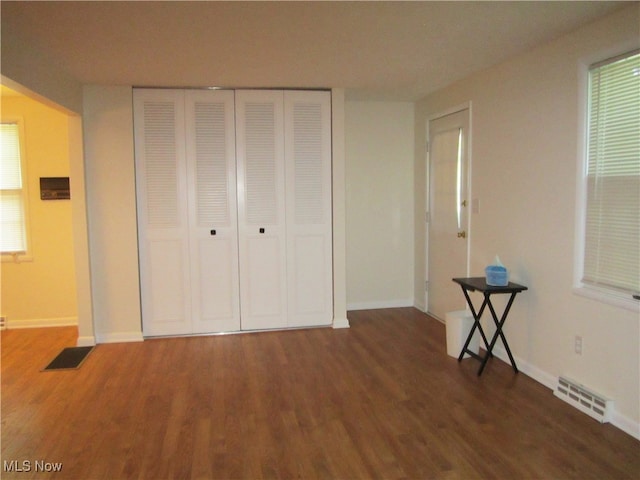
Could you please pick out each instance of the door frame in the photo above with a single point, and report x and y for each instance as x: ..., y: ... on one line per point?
x: 443, y: 113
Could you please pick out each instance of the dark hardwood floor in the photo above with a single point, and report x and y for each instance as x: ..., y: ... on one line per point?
x: 379, y: 400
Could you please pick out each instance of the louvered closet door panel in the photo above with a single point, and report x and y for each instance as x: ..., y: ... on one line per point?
x: 213, y: 228
x: 162, y: 211
x: 308, y: 177
x: 261, y: 211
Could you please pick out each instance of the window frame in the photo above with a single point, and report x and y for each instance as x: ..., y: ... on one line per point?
x: 605, y: 295
x: 26, y: 256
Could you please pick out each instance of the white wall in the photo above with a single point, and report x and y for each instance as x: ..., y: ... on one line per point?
x: 526, y: 134
x: 110, y: 177
x: 379, y: 176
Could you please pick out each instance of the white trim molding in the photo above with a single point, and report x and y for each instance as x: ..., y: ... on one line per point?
x: 618, y: 420
x: 625, y: 424
x: 42, y: 322
x: 378, y: 304
x: 609, y: 297
x: 341, y: 323
x: 86, y: 342
x: 119, y: 337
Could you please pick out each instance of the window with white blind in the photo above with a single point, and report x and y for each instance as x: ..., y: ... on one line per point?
x: 13, y: 231
x: 611, y: 260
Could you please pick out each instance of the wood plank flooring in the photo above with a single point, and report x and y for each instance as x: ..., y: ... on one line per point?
x: 379, y: 400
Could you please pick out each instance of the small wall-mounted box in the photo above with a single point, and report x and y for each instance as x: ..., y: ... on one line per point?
x: 54, y: 188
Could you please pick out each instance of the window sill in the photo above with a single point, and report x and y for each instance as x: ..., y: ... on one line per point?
x: 16, y: 258
x: 606, y: 296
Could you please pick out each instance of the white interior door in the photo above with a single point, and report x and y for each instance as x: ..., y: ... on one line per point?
x: 213, y: 221
x: 161, y: 184
x: 261, y: 209
x: 308, y: 191
x: 448, y: 219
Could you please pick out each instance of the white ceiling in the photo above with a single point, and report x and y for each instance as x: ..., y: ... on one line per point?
x: 379, y: 50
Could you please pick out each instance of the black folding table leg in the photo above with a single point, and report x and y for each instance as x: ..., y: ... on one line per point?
x: 476, y: 324
x: 484, y: 337
x: 499, y: 324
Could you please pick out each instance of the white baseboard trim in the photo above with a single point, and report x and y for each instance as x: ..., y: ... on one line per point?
x: 380, y: 304
x: 625, y: 424
x: 528, y: 369
x: 42, y: 322
x: 86, y: 341
x: 341, y: 323
x: 420, y: 306
x: 119, y: 337
x: 618, y: 420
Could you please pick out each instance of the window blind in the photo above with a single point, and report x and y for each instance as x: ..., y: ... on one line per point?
x: 12, y: 220
x: 612, y: 231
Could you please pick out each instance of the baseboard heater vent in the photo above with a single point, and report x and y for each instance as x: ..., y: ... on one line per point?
x: 593, y: 404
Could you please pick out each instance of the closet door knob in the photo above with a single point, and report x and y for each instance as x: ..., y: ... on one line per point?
x: 262, y: 230
x: 213, y: 232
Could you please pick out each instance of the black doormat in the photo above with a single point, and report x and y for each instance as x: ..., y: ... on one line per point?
x: 69, y: 358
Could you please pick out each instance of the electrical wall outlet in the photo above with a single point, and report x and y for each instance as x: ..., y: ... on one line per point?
x: 578, y: 345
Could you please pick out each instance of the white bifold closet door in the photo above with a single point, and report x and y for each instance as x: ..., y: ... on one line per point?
x: 284, y: 208
x: 261, y: 208
x: 187, y: 216
x: 213, y: 219
x: 309, y: 230
x: 234, y: 209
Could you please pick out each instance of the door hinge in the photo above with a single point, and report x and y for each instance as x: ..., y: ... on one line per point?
x: 426, y: 286
x: 427, y: 145
x: 427, y: 217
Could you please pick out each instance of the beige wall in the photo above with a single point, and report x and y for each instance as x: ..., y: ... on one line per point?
x: 42, y: 290
x: 526, y: 136
x: 379, y: 179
